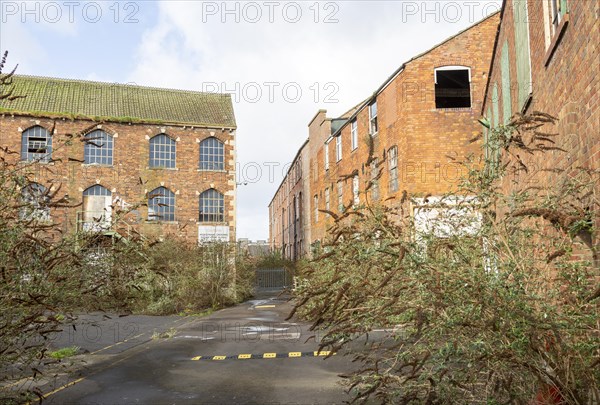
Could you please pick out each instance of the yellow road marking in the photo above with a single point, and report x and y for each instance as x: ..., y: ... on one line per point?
x: 219, y: 357
x: 196, y: 358
x: 295, y: 354
x: 245, y: 356
x: 265, y: 306
x: 269, y: 355
x: 58, y: 389
x: 322, y: 353
x: 101, y: 369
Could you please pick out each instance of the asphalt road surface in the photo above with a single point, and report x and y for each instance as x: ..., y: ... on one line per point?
x: 246, y: 354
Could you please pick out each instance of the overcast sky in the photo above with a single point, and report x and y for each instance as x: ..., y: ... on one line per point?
x: 282, y: 61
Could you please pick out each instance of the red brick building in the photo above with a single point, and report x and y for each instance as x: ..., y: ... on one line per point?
x: 287, y: 217
x: 404, y: 138
x: 546, y: 58
x: 164, y: 157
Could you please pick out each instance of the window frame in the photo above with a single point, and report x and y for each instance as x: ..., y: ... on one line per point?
x: 215, y: 202
x: 158, y: 213
x: 340, y: 187
x: 338, y: 148
x: 326, y: 155
x: 556, y: 20
x: 374, y: 179
x: 373, y: 119
x: 90, y: 146
x: 158, y: 147
x: 37, y: 132
x: 36, y: 203
x: 327, y: 199
x: 354, y: 134
x: 218, y: 164
x: 393, y: 168
x: 453, y: 68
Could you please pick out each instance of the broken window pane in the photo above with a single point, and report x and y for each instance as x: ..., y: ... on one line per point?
x: 36, y: 145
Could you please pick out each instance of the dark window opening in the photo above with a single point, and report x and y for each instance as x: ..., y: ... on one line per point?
x: 452, y: 89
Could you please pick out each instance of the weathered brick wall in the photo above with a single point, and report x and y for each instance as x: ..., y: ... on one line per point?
x: 564, y: 82
x: 430, y: 141
x: 287, y: 214
x: 130, y: 178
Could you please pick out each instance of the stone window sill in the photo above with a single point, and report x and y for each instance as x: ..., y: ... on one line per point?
x: 163, y: 168
x: 26, y: 162
x: 211, y: 171
x: 560, y: 30
x: 96, y: 165
x: 455, y: 109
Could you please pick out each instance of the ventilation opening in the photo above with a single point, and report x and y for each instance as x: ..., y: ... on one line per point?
x: 36, y: 145
x: 452, y: 88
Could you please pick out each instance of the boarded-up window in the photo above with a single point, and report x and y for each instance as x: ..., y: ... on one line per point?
x: 506, y: 96
x: 97, y: 208
x: 521, y: 20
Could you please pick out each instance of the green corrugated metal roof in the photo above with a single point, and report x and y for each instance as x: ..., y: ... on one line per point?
x: 120, y: 102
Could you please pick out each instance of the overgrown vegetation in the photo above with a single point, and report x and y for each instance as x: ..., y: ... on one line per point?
x: 492, y: 300
x: 64, y: 353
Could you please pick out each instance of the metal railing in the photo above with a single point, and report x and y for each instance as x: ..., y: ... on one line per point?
x: 273, y: 279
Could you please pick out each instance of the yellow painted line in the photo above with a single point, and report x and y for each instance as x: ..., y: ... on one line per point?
x: 58, y: 390
x: 101, y: 369
x: 265, y: 306
x: 196, y: 358
x: 323, y: 353
x: 295, y: 354
x: 134, y: 337
x: 219, y: 357
x: 21, y: 381
x: 269, y: 355
x: 244, y: 356
x: 118, y: 343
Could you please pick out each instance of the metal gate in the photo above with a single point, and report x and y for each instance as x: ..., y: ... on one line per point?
x: 273, y: 279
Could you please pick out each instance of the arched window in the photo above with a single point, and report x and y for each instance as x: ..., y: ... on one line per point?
x: 36, y: 202
x: 98, y: 148
x: 162, y: 152
x: 161, y: 205
x: 36, y: 145
x: 212, y: 154
x: 97, y: 209
x: 212, y: 206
